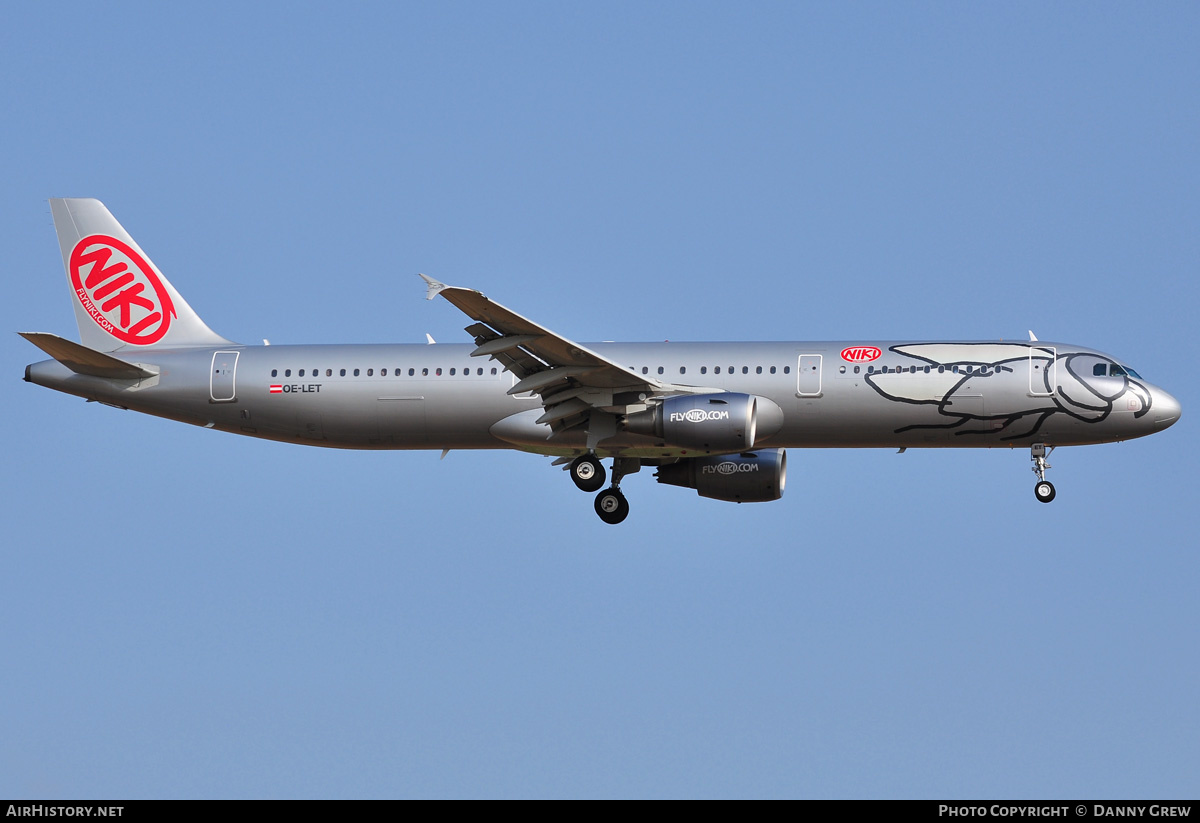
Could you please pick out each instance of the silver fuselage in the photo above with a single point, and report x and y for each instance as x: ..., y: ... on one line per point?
x: 923, y: 394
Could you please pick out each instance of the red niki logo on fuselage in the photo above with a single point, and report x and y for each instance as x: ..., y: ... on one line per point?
x: 120, y: 290
x: 860, y: 354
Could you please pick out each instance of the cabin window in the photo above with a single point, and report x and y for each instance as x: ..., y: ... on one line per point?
x: 660, y: 369
x: 704, y: 369
x: 439, y: 372
x: 645, y: 369
x: 356, y: 372
x: 717, y: 370
x: 452, y: 372
x: 274, y: 372
x: 493, y: 369
x: 857, y: 369
x: 683, y: 369
x: 370, y: 372
x: 424, y: 372
x: 773, y: 369
x: 787, y: 369
x: 287, y: 372
x: 870, y: 369
x: 927, y: 370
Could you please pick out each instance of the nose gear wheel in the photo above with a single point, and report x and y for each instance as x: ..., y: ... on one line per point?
x: 1043, y: 490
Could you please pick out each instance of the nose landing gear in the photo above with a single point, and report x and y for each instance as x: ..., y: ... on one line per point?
x: 1043, y: 490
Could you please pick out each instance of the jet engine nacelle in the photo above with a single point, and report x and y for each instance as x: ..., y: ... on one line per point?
x: 716, y: 422
x: 753, y: 477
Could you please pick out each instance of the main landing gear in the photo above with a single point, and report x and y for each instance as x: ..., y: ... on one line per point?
x: 612, y: 506
x: 1043, y: 490
x: 588, y: 474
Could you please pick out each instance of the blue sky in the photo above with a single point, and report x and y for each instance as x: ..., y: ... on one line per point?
x: 190, y: 614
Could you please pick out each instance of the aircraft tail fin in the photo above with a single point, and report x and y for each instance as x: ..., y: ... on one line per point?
x: 120, y: 297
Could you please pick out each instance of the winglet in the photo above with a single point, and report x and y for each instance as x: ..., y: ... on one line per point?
x: 435, y: 287
x: 1032, y: 336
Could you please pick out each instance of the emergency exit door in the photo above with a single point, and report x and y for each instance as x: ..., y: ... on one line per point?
x: 222, y: 387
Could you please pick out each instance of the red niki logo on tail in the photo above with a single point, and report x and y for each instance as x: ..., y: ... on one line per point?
x: 111, y: 279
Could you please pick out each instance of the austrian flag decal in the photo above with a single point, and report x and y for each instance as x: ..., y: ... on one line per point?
x: 277, y: 389
x: 120, y: 290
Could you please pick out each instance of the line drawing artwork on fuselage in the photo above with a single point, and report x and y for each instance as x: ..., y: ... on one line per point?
x: 1083, y: 386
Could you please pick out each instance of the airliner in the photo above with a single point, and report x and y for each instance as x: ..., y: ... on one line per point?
x: 713, y: 417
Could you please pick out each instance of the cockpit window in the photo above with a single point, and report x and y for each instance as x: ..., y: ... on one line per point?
x: 1102, y: 369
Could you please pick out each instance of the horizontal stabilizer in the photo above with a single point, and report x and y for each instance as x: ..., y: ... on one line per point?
x: 82, y: 360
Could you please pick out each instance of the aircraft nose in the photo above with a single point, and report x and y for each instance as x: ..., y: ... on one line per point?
x: 1166, y: 409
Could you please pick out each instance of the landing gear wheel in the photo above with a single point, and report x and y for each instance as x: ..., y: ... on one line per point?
x: 587, y: 473
x: 612, y: 506
x: 1043, y: 490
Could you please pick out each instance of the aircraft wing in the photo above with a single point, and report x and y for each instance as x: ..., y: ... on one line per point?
x: 571, y: 379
